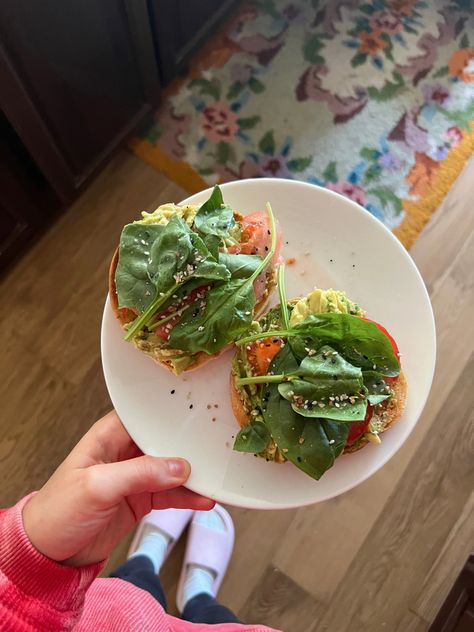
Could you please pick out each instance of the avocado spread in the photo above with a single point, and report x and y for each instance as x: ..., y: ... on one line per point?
x: 165, y: 212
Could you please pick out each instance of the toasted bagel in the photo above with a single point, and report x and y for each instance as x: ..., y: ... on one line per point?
x: 387, y: 413
x: 125, y: 315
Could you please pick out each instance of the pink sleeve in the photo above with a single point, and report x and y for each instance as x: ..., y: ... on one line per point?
x: 35, y: 592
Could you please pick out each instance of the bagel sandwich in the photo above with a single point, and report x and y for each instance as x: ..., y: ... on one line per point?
x: 187, y: 280
x: 313, y: 380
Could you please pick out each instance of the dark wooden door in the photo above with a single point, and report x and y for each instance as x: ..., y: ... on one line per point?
x: 73, y: 80
x: 181, y: 26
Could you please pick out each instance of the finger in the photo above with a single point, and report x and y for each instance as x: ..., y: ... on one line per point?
x: 181, y: 498
x: 109, y: 483
x: 106, y: 441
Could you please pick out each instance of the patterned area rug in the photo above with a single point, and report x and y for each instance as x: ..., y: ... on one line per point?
x: 374, y: 100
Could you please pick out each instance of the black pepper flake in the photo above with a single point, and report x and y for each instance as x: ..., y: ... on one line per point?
x: 287, y: 242
x: 330, y: 260
x: 191, y: 405
x: 299, y: 459
x: 353, y: 265
x: 173, y: 391
x: 333, y: 360
x: 266, y: 248
x: 269, y: 232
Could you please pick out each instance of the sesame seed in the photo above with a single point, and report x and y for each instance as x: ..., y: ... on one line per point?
x: 332, y: 441
x: 201, y: 328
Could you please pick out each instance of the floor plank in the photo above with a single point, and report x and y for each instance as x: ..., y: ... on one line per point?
x: 281, y: 603
x: 447, y: 566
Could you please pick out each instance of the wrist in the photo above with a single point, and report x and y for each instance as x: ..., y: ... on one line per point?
x: 35, y: 527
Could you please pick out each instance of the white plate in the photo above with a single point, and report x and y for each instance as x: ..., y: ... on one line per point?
x: 348, y: 249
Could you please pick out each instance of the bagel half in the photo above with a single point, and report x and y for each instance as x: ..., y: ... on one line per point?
x: 386, y: 414
x: 125, y: 316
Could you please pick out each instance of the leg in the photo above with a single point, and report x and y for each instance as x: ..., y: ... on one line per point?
x: 204, y: 608
x: 140, y: 571
x: 208, y: 551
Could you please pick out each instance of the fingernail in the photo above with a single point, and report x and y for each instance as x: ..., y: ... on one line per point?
x: 178, y: 468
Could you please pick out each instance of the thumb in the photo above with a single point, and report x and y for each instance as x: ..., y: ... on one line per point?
x: 110, y: 482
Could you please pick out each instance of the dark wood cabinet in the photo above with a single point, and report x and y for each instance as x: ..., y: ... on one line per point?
x: 72, y: 82
x: 180, y: 27
x: 76, y: 77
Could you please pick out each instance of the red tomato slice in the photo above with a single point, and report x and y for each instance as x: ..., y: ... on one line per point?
x: 256, y: 235
x: 358, y: 428
x: 128, y: 314
x: 163, y: 331
x: 256, y: 240
x: 392, y: 342
x: 262, y: 352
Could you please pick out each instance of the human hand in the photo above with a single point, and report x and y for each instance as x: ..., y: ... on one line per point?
x: 100, y: 491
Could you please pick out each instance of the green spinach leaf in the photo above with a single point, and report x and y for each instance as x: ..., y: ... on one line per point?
x: 252, y: 438
x: 213, y: 243
x: 310, y: 444
x: 327, y: 387
x: 240, y: 266
x: 135, y: 289
x: 226, y: 314
x: 214, y: 217
x: 378, y: 390
x: 176, y: 256
x: 360, y: 341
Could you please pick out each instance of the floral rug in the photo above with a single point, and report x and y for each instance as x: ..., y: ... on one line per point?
x: 373, y: 100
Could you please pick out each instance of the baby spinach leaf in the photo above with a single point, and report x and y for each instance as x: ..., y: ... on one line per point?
x: 226, y: 314
x: 252, y: 438
x: 360, y: 341
x: 378, y: 390
x: 310, y: 444
x: 135, y: 289
x: 214, y: 217
x: 170, y: 254
x: 240, y: 266
x: 327, y: 379
x: 176, y: 256
x: 213, y: 243
x: 227, y: 311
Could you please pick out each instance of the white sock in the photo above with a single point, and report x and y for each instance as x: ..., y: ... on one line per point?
x: 154, y: 545
x: 200, y: 579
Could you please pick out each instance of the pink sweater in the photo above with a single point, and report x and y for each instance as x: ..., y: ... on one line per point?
x: 39, y: 594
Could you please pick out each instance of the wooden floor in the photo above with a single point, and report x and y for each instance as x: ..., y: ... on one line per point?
x: 380, y: 557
